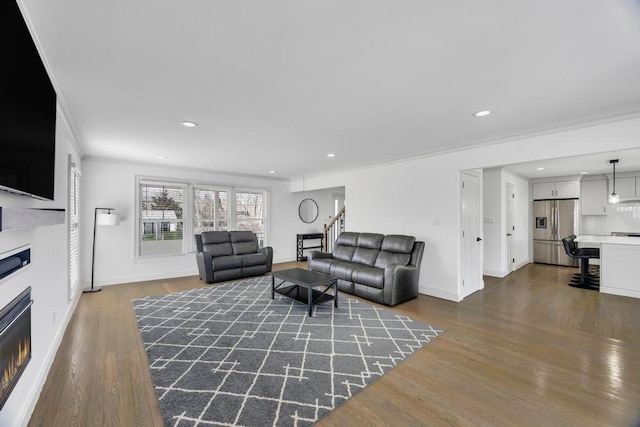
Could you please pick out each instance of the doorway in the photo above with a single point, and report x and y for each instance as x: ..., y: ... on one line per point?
x: 509, y: 209
x: 471, y: 244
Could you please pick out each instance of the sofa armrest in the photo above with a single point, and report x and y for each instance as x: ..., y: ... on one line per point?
x: 205, y: 268
x: 400, y: 284
x: 317, y: 255
x: 268, y: 250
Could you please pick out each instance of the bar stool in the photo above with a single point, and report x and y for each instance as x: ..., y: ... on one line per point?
x: 585, y: 279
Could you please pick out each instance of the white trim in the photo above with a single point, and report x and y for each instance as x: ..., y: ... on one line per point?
x: 152, y: 276
x: 618, y: 291
x: 440, y: 293
x: 182, y: 168
x: 496, y: 273
x: 580, y: 125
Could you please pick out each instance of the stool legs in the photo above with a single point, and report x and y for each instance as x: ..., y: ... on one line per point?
x: 585, y: 279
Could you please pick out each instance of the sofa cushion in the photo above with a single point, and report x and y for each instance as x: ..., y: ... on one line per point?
x: 369, y: 276
x: 243, y: 236
x: 243, y: 242
x: 398, y: 243
x: 342, y: 270
x: 216, y: 243
x: 322, y: 265
x: 370, y: 240
x: 348, y: 238
x: 343, y: 252
x: 387, y: 259
x: 365, y: 256
x: 345, y: 286
x: 242, y: 248
x: 368, y: 292
x: 226, y: 262
x: 210, y: 237
x: 249, y: 260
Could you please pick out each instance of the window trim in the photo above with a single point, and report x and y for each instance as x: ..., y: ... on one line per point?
x: 188, y: 216
x: 73, y: 253
x: 186, y: 230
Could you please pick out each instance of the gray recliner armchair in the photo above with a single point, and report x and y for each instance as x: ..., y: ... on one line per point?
x: 229, y: 255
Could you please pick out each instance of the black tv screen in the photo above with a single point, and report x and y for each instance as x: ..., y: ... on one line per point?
x: 27, y: 111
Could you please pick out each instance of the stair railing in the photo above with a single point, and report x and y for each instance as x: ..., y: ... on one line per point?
x: 333, y: 230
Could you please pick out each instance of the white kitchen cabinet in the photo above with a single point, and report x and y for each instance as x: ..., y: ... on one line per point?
x: 625, y: 187
x: 556, y: 190
x: 593, y: 197
x: 620, y: 269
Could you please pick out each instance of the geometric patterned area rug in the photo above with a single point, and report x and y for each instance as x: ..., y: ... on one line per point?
x: 230, y: 355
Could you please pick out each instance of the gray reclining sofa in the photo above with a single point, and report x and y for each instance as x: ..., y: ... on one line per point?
x: 229, y: 255
x: 383, y: 269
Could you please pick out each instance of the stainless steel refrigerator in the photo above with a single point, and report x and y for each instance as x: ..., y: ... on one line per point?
x: 554, y: 220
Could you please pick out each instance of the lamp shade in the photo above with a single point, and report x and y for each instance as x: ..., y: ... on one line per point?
x: 107, y: 219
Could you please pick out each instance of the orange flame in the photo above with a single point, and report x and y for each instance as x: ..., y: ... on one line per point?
x: 16, y: 361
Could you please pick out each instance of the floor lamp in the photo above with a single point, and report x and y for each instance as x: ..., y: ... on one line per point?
x: 100, y: 219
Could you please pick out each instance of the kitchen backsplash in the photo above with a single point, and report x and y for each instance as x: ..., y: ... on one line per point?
x: 623, y: 217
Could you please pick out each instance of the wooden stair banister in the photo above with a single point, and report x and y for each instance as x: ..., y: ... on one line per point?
x: 333, y: 229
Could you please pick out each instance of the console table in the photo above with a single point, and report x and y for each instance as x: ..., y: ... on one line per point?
x: 300, y: 238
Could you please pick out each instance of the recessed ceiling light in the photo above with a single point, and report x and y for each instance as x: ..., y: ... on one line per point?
x: 161, y: 157
x: 331, y: 155
x: 539, y: 169
x: 188, y: 124
x: 584, y: 173
x: 272, y: 171
x: 482, y: 113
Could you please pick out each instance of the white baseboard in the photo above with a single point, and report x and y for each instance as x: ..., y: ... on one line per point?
x: 621, y: 292
x: 495, y: 273
x: 144, y: 278
x: 519, y: 265
x: 439, y: 293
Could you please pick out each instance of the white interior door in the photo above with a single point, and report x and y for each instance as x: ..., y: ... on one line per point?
x: 509, y: 202
x: 471, y: 262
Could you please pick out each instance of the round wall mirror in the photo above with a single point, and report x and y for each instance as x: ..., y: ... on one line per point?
x: 308, y: 210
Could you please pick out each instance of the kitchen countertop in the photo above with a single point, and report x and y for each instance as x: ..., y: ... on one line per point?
x: 617, y: 240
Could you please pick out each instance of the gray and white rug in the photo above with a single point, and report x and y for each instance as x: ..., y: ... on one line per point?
x: 229, y: 355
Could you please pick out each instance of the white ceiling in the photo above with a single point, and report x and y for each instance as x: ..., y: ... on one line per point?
x: 276, y: 85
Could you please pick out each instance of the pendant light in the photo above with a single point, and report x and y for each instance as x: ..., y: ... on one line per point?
x: 613, y: 197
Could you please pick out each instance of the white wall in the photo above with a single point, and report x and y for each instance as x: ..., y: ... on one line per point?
x: 421, y: 196
x: 112, y: 184
x: 48, y: 277
x: 324, y: 199
x: 493, y: 218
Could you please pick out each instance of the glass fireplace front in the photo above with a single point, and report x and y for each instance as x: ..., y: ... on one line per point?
x: 15, y: 342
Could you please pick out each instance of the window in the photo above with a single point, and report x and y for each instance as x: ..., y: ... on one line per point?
x: 74, y: 252
x: 161, y: 219
x: 169, y: 211
x: 210, y: 209
x: 250, y: 213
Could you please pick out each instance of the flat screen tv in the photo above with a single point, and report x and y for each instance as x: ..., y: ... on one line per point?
x: 27, y: 111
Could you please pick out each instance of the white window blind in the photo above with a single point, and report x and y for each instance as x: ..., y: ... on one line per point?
x: 210, y: 209
x: 250, y: 212
x: 161, y: 224
x: 74, y: 250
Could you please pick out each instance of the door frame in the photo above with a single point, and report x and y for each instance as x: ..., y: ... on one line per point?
x: 510, y: 191
x: 462, y: 293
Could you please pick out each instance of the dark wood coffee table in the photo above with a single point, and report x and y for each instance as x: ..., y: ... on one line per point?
x: 308, y: 281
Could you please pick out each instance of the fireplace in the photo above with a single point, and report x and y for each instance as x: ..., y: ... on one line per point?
x: 15, y: 342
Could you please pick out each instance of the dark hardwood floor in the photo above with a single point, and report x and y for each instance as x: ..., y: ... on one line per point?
x: 526, y: 350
